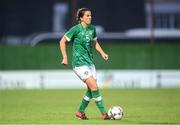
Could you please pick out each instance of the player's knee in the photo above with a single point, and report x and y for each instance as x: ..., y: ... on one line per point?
x: 91, y: 83
x: 94, y: 88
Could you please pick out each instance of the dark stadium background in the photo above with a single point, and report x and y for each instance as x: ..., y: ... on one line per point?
x: 22, y: 18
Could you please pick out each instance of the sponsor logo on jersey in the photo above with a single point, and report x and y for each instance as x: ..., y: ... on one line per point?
x: 86, y: 73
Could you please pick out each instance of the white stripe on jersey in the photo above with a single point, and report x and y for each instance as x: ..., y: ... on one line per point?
x: 67, y: 38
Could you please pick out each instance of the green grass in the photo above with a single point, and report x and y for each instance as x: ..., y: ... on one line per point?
x: 141, y: 106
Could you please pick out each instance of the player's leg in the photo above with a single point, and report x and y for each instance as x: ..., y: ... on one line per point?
x: 92, y: 84
x: 83, y: 73
x: 85, y: 101
x: 88, y: 95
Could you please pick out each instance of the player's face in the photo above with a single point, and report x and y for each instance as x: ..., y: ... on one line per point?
x: 86, y: 17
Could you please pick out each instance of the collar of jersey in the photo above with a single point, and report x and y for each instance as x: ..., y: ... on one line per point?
x: 83, y: 27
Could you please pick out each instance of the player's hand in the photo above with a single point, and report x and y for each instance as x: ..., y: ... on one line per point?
x: 105, y: 56
x: 64, y: 61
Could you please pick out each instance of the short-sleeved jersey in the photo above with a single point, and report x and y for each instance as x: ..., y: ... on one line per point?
x: 83, y: 39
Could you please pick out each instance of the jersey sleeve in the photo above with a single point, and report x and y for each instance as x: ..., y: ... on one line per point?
x: 70, y: 33
x: 95, y: 34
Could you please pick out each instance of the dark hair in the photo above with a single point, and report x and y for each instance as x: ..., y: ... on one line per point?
x: 80, y: 13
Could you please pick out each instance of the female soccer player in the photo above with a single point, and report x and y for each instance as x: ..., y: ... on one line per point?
x: 84, y: 38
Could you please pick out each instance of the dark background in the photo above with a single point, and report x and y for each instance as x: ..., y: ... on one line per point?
x: 22, y: 17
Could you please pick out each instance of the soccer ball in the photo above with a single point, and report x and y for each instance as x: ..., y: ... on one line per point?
x: 115, y: 112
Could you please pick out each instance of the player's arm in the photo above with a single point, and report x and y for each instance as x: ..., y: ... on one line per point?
x: 100, y: 50
x: 62, y: 45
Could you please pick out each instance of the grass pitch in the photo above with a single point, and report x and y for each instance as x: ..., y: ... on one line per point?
x: 141, y: 106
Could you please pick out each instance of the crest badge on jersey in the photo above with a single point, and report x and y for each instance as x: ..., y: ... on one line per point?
x: 90, y: 32
x: 86, y: 73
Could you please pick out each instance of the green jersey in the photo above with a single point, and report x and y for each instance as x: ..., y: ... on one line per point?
x: 83, y: 39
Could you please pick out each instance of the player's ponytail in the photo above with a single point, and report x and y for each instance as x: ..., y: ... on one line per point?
x: 80, y: 13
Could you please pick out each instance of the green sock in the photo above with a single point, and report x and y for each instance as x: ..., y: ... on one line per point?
x: 98, y: 100
x: 85, y: 101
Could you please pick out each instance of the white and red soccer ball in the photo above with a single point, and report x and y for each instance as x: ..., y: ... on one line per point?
x: 115, y: 112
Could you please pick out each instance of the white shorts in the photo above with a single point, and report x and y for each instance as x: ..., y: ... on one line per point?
x: 84, y: 72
